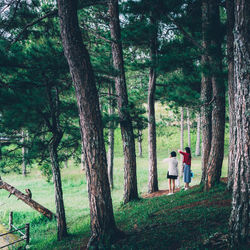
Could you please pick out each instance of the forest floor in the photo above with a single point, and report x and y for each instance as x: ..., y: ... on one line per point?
x: 188, y: 219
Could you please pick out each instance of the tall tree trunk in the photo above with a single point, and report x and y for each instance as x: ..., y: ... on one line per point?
x: 66, y: 164
x: 182, y: 140
x: 103, y: 228
x: 231, y: 91
x: 206, y: 91
x: 57, y: 134
x: 153, y: 179
x: 239, y: 219
x: 140, y: 143
x: 188, y: 128
x: 60, y: 211
x: 111, y: 139
x: 82, y: 157
x: 198, y: 135
x: 24, y: 170
x: 216, y: 155
x: 130, y: 186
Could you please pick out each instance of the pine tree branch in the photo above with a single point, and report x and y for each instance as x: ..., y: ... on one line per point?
x: 48, y: 15
x: 7, y: 6
x: 108, y: 77
x: 185, y: 33
x: 13, y: 17
x: 96, y: 34
x: 54, y: 13
x: 107, y: 94
x: 161, y: 85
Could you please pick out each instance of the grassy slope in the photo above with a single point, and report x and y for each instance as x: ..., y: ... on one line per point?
x: 183, y: 220
x: 43, y: 232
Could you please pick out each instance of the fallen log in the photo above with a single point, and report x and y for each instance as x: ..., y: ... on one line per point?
x: 26, y: 199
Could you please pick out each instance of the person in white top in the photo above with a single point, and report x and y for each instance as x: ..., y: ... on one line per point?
x: 172, y: 174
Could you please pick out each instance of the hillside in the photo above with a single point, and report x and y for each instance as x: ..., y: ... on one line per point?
x: 186, y: 219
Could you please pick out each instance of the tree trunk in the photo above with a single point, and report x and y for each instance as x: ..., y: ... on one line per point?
x: 182, y: 141
x: 130, y: 186
x: 26, y: 199
x: 24, y: 171
x: 239, y: 219
x: 231, y: 91
x: 206, y: 92
x: 188, y: 128
x: 66, y: 164
x: 111, y: 139
x: 60, y: 211
x: 216, y: 155
x: 153, y: 179
x: 140, y: 143
x: 57, y: 134
x: 103, y: 228
x: 198, y: 135
x: 82, y: 158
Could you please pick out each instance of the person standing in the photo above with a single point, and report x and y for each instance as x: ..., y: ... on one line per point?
x: 172, y: 171
x: 187, y: 166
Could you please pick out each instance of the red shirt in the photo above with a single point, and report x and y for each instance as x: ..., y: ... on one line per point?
x: 186, y: 158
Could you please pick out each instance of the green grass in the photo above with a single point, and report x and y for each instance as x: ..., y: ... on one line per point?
x: 135, y: 217
x: 43, y: 232
x: 183, y: 220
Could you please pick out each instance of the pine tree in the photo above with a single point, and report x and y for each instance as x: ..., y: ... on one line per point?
x: 130, y: 186
x: 103, y: 228
x: 239, y: 219
x: 231, y: 90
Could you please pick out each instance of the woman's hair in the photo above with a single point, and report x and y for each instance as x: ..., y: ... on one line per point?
x: 173, y: 154
x: 188, y: 151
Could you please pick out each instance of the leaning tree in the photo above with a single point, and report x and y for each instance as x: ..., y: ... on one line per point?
x: 103, y: 227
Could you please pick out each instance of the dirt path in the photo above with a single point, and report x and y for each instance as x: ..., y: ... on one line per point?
x: 165, y: 192
x: 162, y: 192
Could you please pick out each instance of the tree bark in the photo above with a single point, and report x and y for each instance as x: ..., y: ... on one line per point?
x: 130, y: 186
x: 24, y: 171
x: 206, y: 91
x: 82, y: 157
x: 239, y: 219
x: 216, y: 155
x: 57, y: 134
x: 60, y: 211
x: 66, y: 164
x: 182, y: 140
x: 153, y: 179
x: 111, y: 137
x: 26, y: 199
x: 231, y: 92
x: 103, y: 228
x: 198, y: 135
x: 188, y: 128
x: 140, y: 143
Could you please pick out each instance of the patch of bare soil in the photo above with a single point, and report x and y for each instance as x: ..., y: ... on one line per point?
x: 165, y: 192
x: 161, y: 192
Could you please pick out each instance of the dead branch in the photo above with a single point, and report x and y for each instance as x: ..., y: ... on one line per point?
x: 26, y: 199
